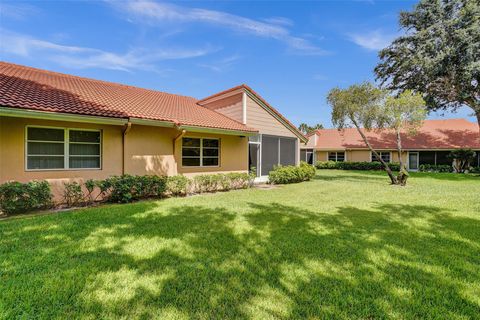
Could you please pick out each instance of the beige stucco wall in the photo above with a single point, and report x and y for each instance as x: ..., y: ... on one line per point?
x: 148, y: 150
x: 12, y: 153
x: 233, y: 155
x: 359, y: 156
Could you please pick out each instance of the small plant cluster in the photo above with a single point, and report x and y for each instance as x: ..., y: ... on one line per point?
x: 435, y: 168
x: 355, y: 165
x: 291, y: 174
x: 17, y: 197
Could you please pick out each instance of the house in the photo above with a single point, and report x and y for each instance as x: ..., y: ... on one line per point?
x: 430, y: 145
x: 59, y: 128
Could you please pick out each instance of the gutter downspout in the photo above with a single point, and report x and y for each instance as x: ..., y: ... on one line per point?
x: 179, y: 136
x: 126, y: 130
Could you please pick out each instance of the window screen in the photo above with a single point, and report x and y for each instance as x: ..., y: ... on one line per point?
x: 270, y: 148
x: 385, y: 155
x: 336, y: 156
x: 426, y: 157
x: 287, y: 151
x: 60, y: 148
x: 199, y: 152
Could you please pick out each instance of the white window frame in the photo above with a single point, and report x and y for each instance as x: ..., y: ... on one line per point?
x: 307, y: 152
x: 380, y: 154
x: 336, y: 155
x: 201, y: 152
x: 66, y: 146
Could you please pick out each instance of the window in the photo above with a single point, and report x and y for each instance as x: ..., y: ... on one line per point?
x: 336, y: 156
x: 200, y: 152
x: 385, y: 155
x: 61, y: 148
x: 306, y: 155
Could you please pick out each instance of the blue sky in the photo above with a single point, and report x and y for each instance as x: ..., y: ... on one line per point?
x: 291, y: 53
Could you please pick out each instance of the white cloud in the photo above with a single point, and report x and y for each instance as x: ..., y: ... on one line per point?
x: 17, y: 11
x: 372, y: 40
x: 158, y: 12
x: 84, y: 57
x: 222, y: 64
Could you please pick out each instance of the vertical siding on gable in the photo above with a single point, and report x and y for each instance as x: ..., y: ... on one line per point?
x: 229, y: 106
x: 262, y: 120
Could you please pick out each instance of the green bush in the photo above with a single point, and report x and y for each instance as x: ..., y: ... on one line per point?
x: 220, y: 181
x: 474, y: 170
x: 73, y: 194
x: 127, y: 188
x: 177, y: 185
x: 355, y: 165
x: 16, y: 197
x: 435, y: 168
x: 291, y: 174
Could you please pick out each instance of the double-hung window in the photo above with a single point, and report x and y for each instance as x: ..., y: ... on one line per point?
x: 200, y: 152
x: 385, y: 155
x: 336, y: 156
x: 62, y: 148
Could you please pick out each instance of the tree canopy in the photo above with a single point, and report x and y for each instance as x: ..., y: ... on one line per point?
x: 439, y: 54
x: 305, y: 128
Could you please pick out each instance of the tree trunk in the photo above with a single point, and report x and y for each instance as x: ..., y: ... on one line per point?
x: 392, y: 177
x: 403, y: 173
x: 477, y: 113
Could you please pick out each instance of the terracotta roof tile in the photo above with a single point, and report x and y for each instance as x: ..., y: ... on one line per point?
x: 34, y: 89
x: 434, y: 134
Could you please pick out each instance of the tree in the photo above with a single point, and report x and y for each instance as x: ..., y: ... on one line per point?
x: 305, y: 128
x: 461, y: 159
x: 404, y: 112
x: 439, y: 54
x: 358, y: 106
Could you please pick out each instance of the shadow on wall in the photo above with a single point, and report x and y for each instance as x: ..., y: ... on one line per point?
x: 270, y: 261
x: 153, y: 165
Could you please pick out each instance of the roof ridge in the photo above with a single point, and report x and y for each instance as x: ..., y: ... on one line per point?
x: 91, y: 79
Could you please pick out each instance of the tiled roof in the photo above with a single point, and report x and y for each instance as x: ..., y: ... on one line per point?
x: 434, y: 134
x: 275, y: 111
x: 34, y: 89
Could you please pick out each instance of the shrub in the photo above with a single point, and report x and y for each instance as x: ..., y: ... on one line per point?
x: 355, y: 165
x: 474, y: 170
x: 177, y: 185
x: 291, y: 174
x: 128, y: 188
x: 16, y: 197
x: 72, y: 193
x: 220, y: 181
x: 435, y: 168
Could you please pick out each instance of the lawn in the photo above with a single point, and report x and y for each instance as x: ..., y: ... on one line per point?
x: 345, y: 245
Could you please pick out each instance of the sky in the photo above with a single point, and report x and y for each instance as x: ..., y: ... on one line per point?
x: 290, y: 52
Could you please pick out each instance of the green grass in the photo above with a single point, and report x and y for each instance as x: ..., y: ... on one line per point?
x: 345, y: 245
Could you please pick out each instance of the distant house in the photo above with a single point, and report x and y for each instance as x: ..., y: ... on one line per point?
x: 61, y: 127
x: 431, y: 145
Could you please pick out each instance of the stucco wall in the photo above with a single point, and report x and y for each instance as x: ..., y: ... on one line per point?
x: 148, y: 150
x: 233, y: 155
x: 359, y: 156
x: 12, y: 153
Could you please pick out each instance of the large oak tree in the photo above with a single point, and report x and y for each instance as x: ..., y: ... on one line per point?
x: 439, y: 54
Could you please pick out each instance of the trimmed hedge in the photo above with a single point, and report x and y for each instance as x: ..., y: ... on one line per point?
x: 291, y: 174
x: 16, y: 197
x: 220, y: 182
x: 355, y: 165
x: 435, y: 168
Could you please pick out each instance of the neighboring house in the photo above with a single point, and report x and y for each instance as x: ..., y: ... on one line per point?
x: 60, y: 128
x: 430, y: 145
